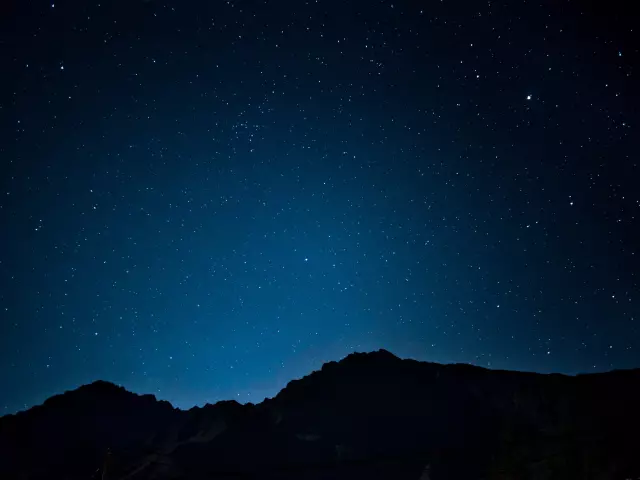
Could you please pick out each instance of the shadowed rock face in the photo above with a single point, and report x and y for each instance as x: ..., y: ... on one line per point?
x: 370, y: 416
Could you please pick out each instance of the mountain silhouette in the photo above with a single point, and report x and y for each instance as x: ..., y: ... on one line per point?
x: 370, y: 416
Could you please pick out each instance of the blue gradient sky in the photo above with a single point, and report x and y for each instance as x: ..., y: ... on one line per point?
x: 206, y: 201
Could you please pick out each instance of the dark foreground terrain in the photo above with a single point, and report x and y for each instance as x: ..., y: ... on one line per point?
x: 369, y: 416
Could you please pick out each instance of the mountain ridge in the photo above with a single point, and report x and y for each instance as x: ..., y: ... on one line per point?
x: 106, y: 385
x: 369, y: 415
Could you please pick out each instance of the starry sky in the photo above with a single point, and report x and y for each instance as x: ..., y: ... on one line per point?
x: 205, y: 200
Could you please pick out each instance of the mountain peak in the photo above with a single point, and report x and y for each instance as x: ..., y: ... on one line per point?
x: 376, y: 355
x: 102, y: 386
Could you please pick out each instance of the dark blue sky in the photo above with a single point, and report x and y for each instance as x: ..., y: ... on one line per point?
x: 204, y: 200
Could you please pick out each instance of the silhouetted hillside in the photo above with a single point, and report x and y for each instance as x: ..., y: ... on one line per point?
x: 370, y: 416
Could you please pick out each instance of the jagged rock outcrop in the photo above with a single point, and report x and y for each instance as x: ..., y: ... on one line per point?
x: 370, y: 416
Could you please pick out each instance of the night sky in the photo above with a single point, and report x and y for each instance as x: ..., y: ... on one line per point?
x: 205, y: 200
